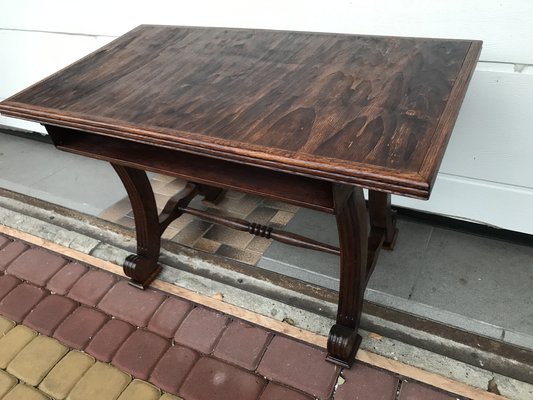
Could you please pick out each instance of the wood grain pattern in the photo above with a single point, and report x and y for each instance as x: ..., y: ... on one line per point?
x: 357, y: 109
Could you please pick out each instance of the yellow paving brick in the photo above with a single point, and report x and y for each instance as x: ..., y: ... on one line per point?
x: 67, y: 372
x: 167, y: 396
x: 24, y: 392
x: 140, y: 390
x: 102, y: 382
x: 6, y: 382
x: 5, y: 325
x: 34, y: 361
x: 13, y: 342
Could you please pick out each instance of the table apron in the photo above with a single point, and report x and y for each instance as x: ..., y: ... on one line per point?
x: 287, y: 187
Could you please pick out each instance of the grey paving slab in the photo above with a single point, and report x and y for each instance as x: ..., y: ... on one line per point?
x: 439, y: 315
x: 518, y: 339
x: 85, y: 181
x: 26, y: 162
x: 310, y: 266
x: 478, y: 277
x: 395, y: 272
x: 39, y: 170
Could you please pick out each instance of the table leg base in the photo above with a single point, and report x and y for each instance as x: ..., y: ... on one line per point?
x: 343, y: 343
x: 389, y: 245
x: 212, y: 195
x: 140, y: 270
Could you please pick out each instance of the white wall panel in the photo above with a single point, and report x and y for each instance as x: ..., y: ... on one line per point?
x: 504, y: 25
x: 503, y: 206
x: 493, y: 137
x: 28, y: 57
x: 15, y: 123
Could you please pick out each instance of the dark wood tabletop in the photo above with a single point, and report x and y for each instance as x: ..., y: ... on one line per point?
x: 366, y: 110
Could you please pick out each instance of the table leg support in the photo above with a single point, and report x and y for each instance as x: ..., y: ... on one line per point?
x: 211, y: 194
x: 382, y: 217
x: 352, y: 225
x: 142, y: 267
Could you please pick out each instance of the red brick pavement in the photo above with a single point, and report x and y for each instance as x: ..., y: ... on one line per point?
x: 181, y: 347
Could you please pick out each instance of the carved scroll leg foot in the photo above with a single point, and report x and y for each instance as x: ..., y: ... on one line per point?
x: 343, y: 343
x: 141, y: 270
x: 382, y: 217
x: 142, y: 267
x: 352, y: 220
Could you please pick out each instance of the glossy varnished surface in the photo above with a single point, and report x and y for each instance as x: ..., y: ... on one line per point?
x: 375, y: 111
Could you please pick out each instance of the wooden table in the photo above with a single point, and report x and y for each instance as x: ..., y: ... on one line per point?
x: 306, y: 118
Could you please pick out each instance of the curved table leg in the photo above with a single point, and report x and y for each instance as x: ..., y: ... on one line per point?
x: 352, y: 225
x: 142, y: 267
